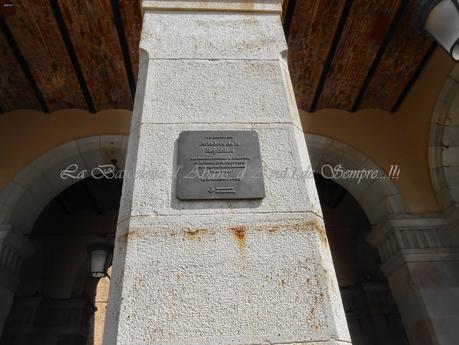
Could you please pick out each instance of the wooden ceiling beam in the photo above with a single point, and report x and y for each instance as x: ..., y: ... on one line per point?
x: 72, y: 55
x: 331, y: 55
x: 310, y: 42
x: 285, y: 4
x: 414, y: 77
x: 363, y: 34
x: 344, y: 54
x: 389, y: 35
x: 405, y: 52
x: 91, y: 25
x: 38, y: 39
x: 288, y: 9
x: 132, y: 20
x: 124, y: 45
x: 16, y: 89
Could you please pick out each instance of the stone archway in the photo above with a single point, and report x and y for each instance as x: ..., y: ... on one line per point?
x: 22, y: 200
x: 379, y: 197
x: 444, y: 143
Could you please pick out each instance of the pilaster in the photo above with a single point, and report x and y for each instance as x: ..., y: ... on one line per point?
x: 420, y: 257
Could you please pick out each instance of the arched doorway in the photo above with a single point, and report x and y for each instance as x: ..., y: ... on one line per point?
x: 56, y: 301
x: 371, y: 312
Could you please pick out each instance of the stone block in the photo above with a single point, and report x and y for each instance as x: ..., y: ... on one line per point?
x: 154, y: 184
x: 451, y: 135
x: 230, y: 279
x: 210, y: 36
x: 206, y: 92
x: 451, y: 156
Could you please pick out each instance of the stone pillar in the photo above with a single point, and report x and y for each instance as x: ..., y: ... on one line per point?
x: 14, y: 248
x: 421, y: 263
x: 219, y: 272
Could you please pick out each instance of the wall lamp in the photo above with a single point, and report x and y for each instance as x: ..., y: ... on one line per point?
x: 100, y: 259
x: 441, y: 21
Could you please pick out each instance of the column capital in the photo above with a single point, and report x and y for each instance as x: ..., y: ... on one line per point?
x: 414, y: 238
x: 269, y: 6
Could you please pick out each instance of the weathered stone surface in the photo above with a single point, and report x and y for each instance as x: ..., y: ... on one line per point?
x: 212, y: 36
x: 451, y: 156
x: 282, y: 157
x: 420, y: 258
x: 202, y: 91
x: 228, y: 279
x: 225, y: 271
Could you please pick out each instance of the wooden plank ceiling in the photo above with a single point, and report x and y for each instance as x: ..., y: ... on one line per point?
x: 354, y: 54
x: 59, y: 54
x: 345, y: 54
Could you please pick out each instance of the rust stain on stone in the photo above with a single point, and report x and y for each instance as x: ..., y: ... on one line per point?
x: 321, y: 232
x: 273, y: 228
x: 239, y: 235
x: 195, y: 234
x: 122, y: 238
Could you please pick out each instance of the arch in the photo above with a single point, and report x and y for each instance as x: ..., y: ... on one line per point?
x: 444, y: 143
x: 24, y: 198
x: 378, y: 197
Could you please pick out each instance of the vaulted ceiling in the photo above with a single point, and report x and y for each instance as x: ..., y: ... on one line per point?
x: 345, y: 54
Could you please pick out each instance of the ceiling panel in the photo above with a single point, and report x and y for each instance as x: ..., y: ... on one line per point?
x: 93, y: 33
x: 366, y: 27
x: 15, y: 90
x: 401, y: 59
x: 312, y: 31
x: 132, y: 20
x: 38, y: 38
x: 344, y: 54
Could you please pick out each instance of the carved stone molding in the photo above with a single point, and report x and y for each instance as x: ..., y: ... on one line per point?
x: 410, y: 238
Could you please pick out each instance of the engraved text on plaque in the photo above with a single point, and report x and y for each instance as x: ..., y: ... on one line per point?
x: 219, y: 165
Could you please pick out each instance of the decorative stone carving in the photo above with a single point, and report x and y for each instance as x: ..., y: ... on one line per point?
x: 410, y: 238
x: 420, y: 257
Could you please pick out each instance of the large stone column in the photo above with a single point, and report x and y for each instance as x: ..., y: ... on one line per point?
x: 219, y: 271
x: 421, y: 261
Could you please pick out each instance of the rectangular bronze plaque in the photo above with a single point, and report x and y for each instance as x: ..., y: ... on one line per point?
x: 219, y: 165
